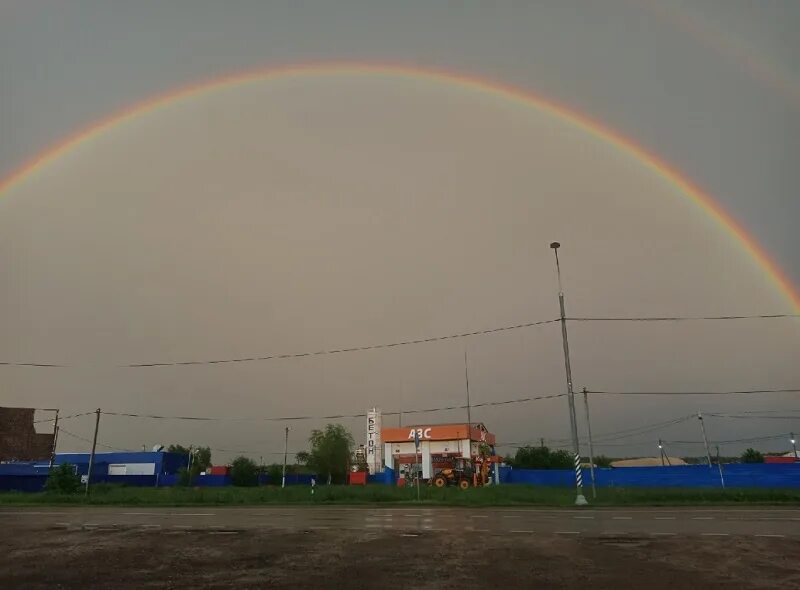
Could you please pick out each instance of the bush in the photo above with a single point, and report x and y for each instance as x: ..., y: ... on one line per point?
x: 275, y: 473
x: 602, y: 461
x: 542, y: 458
x: 244, y: 472
x: 104, y: 488
x: 752, y: 456
x: 184, y: 478
x: 63, y: 480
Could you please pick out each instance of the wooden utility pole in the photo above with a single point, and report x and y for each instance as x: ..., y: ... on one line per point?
x: 94, y: 448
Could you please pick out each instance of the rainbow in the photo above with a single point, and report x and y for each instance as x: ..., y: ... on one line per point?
x: 490, y: 87
x: 768, y: 73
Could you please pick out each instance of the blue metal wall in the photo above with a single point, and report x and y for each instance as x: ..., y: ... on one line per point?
x: 736, y: 476
x: 165, y: 462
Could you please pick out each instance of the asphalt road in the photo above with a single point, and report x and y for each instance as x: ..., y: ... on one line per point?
x: 655, y: 522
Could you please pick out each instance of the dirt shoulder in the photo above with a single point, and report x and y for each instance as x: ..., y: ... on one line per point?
x: 262, y: 558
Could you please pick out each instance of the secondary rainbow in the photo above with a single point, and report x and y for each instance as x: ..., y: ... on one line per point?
x: 686, y: 187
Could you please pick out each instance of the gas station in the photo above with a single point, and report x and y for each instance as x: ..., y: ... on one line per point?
x: 428, y: 450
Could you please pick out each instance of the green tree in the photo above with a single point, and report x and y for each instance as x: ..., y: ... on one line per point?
x: 542, y: 458
x: 63, y: 480
x: 302, y: 458
x: 244, y: 472
x: 752, y: 456
x: 532, y: 458
x: 201, y: 460
x: 561, y: 460
x: 330, y: 452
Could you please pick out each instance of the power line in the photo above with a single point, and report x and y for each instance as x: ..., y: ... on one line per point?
x: 751, y: 417
x: 63, y: 417
x: 342, y: 350
x: 419, y: 341
x: 739, y: 392
x: 45, y: 365
x: 731, y: 441
x: 99, y: 444
x: 330, y: 417
x: 685, y: 318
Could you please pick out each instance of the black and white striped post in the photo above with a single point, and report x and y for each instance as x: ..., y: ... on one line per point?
x: 580, y: 499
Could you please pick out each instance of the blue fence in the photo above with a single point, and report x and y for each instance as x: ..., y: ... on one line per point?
x: 30, y: 477
x: 680, y: 476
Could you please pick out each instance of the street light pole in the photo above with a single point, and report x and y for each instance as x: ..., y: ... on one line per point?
x: 705, y: 438
x: 794, y: 445
x: 469, y: 411
x: 580, y: 499
x: 285, y: 453
x: 591, y: 443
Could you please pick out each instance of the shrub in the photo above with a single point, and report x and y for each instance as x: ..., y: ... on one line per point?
x: 752, y: 456
x: 561, y: 460
x: 244, y: 472
x: 602, y: 461
x: 63, y: 480
x: 184, y: 479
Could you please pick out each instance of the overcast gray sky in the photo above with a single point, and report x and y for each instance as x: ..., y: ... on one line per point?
x: 336, y: 211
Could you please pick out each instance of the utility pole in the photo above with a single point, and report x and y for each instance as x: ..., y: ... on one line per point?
x: 705, y: 439
x: 793, y: 440
x: 591, y: 444
x: 285, y: 453
x: 418, y: 467
x: 661, y: 451
x: 541, y: 440
x: 94, y: 448
x: 580, y: 499
x: 469, y: 414
x: 55, y: 440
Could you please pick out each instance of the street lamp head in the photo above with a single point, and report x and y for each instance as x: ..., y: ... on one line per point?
x: 555, y: 245
x: 792, y: 440
x: 660, y: 446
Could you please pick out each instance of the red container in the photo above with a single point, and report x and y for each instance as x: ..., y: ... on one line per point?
x: 358, y: 478
x: 779, y: 459
x: 219, y: 470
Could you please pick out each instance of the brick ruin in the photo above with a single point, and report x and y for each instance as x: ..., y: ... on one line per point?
x: 18, y: 437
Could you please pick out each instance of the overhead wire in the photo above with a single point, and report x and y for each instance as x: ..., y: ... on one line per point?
x: 739, y: 392
x: 685, y: 318
x: 99, y: 444
x: 332, y: 416
x: 418, y: 341
x: 61, y: 418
